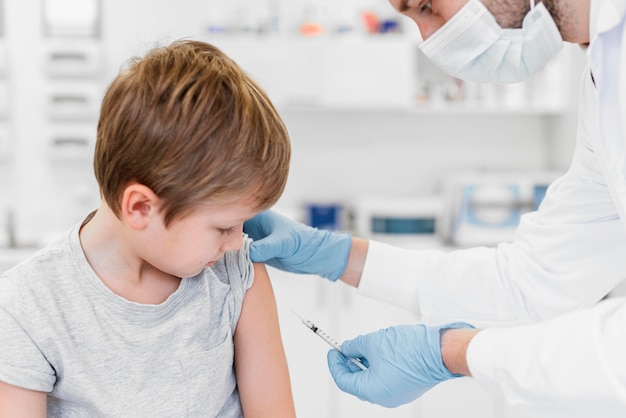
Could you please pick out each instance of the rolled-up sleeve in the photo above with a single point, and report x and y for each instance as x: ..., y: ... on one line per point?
x: 22, y: 363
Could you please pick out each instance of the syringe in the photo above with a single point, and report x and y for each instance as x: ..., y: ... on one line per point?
x: 329, y: 340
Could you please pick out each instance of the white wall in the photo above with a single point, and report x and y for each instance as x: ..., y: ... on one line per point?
x: 342, y: 155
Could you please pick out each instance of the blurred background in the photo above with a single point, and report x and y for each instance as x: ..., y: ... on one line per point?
x: 384, y: 145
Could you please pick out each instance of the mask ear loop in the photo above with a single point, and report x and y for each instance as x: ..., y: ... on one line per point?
x: 532, y: 4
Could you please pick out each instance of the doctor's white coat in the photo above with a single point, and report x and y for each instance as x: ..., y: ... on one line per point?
x: 566, y: 356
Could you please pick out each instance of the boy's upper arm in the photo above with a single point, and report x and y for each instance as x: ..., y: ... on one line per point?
x: 16, y: 402
x: 260, y: 363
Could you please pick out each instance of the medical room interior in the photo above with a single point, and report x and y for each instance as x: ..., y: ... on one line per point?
x: 385, y: 146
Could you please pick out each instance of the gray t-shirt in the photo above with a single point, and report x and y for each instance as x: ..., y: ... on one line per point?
x: 64, y: 332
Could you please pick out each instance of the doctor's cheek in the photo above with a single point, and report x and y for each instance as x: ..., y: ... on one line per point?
x: 430, y: 16
x: 427, y: 22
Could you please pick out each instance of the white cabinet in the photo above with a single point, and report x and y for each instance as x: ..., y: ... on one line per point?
x: 4, y: 56
x: 5, y: 99
x: 386, y: 72
x: 5, y: 140
x: 78, y: 59
x: 354, y: 73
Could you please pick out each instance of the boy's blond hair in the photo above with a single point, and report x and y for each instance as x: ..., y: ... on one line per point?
x: 190, y: 124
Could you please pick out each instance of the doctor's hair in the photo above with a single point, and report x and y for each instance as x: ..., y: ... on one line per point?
x: 560, y: 13
x: 509, y: 13
x: 187, y: 122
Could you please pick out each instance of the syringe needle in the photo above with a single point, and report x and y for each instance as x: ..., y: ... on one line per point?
x: 293, y: 312
x: 329, y: 340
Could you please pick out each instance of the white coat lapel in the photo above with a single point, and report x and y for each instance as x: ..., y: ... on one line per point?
x: 608, y: 62
x: 622, y: 83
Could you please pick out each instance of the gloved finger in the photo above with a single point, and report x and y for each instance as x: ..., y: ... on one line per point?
x: 350, y: 365
x: 364, y: 362
x: 336, y: 359
x: 254, y: 227
x: 343, y: 374
x: 262, y: 251
x: 272, y: 246
x: 353, y: 367
x: 252, y: 230
x: 354, y: 348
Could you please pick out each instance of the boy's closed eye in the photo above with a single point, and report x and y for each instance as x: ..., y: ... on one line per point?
x: 226, y: 231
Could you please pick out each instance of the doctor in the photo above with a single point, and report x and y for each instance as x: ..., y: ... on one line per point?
x: 547, y: 342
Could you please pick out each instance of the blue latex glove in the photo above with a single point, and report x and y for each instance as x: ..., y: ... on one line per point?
x: 403, y: 363
x: 291, y: 246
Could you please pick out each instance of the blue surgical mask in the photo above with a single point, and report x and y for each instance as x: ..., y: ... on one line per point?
x: 472, y: 46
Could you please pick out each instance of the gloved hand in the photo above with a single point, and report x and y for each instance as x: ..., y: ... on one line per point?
x: 291, y: 246
x: 403, y: 363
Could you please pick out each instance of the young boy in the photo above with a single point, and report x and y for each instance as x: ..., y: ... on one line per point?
x: 151, y: 307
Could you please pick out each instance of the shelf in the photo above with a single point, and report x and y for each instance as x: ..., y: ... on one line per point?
x: 531, y: 110
x: 303, y: 41
x: 73, y: 58
x: 444, y: 110
x: 381, y: 73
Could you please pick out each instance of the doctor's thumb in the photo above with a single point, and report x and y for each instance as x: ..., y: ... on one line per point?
x: 343, y: 375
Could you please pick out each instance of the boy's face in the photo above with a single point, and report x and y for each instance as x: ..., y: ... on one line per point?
x: 197, y: 240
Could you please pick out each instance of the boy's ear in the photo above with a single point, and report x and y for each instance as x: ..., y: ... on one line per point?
x: 139, y: 205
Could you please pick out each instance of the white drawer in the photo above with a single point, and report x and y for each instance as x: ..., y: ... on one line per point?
x: 71, y: 140
x: 73, y: 100
x: 4, y: 98
x: 76, y: 59
x: 4, y: 59
x: 5, y: 141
